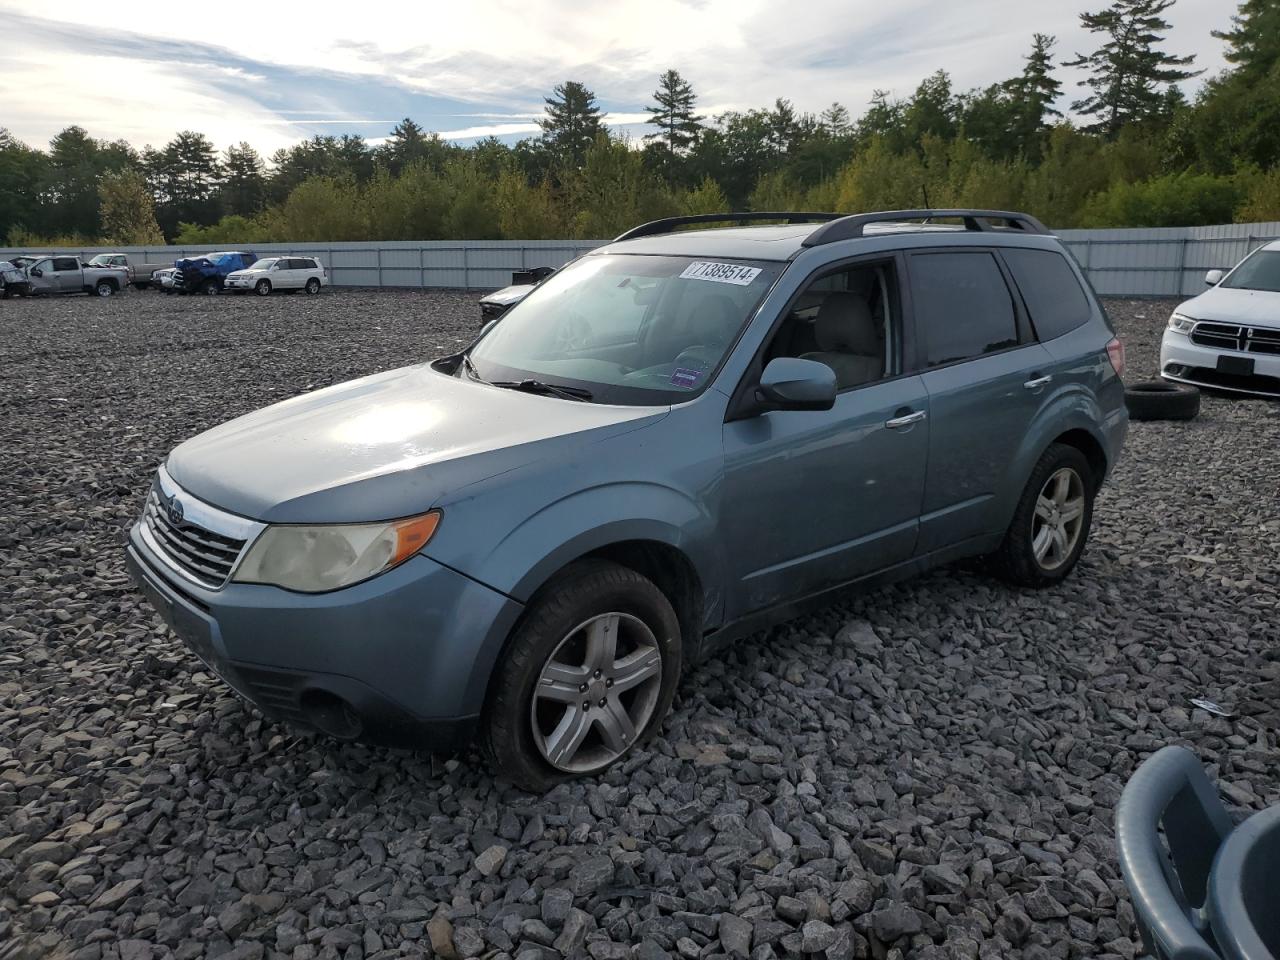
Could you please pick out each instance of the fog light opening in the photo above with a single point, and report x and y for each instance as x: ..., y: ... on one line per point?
x: 331, y: 715
x: 1175, y: 369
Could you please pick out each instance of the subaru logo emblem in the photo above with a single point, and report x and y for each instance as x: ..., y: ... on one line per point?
x: 173, y: 507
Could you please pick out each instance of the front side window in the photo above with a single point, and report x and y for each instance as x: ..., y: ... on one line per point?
x: 963, y: 308
x: 1261, y: 271
x: 628, y: 328
x: 847, y: 320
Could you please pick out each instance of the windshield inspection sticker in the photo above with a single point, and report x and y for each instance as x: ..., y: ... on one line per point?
x: 685, y: 378
x: 720, y: 272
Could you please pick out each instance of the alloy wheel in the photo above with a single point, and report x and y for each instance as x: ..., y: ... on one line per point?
x: 596, y: 693
x: 1059, y: 518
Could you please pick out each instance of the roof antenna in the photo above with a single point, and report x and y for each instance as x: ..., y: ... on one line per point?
x: 924, y: 192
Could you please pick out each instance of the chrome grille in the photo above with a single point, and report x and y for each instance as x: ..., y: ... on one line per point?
x: 207, y: 556
x: 1235, y: 336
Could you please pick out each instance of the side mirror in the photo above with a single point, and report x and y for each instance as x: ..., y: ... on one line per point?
x: 789, y: 383
x: 37, y: 272
x: 1214, y: 277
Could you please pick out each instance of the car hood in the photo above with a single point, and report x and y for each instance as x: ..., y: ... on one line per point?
x: 385, y: 446
x: 508, y: 295
x: 192, y: 262
x: 1260, y: 307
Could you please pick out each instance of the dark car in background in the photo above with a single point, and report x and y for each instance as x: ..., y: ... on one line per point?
x: 493, y: 305
x: 208, y: 274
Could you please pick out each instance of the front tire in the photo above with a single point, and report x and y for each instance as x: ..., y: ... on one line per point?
x: 1051, y: 523
x: 589, y: 673
x: 262, y: 288
x: 211, y: 288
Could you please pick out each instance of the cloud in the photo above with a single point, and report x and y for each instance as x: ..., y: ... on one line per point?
x: 336, y: 70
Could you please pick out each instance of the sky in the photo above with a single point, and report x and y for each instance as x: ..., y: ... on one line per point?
x: 272, y: 74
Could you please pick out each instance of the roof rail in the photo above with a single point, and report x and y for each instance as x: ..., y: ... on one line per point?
x: 849, y: 228
x: 670, y: 224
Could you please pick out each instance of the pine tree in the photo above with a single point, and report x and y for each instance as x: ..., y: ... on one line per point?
x: 128, y: 211
x: 243, y: 184
x: 571, y: 123
x: 835, y: 120
x: 1254, y: 38
x: 406, y: 145
x: 672, y: 113
x: 1034, y: 93
x: 1129, y: 74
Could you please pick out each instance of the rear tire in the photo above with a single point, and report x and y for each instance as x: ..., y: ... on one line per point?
x: 262, y: 288
x: 313, y: 286
x: 1050, y: 526
x: 615, y: 628
x: 1161, y: 400
x: 104, y: 288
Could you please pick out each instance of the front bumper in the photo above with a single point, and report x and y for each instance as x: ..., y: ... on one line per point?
x: 407, y: 654
x: 239, y: 283
x: 1185, y: 362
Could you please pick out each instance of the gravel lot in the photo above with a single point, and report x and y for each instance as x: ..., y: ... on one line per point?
x: 929, y: 770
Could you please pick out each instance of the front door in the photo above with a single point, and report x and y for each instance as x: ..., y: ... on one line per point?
x: 986, y: 378
x: 815, y: 499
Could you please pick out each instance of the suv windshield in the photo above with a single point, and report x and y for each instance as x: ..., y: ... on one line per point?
x: 1258, y: 272
x: 265, y: 264
x: 630, y: 329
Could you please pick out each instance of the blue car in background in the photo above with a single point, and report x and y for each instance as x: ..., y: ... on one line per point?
x: 208, y: 274
x: 675, y: 440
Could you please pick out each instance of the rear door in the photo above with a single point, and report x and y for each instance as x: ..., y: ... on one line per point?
x: 986, y: 378
x: 67, y: 275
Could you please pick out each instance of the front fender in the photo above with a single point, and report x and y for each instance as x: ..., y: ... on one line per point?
x: 595, y: 518
x: 555, y: 536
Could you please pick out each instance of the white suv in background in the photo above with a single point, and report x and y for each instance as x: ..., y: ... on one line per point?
x: 279, y: 273
x: 1228, y: 338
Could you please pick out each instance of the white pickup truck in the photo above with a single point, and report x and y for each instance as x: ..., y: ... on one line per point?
x: 61, y: 274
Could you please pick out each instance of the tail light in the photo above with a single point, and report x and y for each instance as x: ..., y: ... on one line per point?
x: 1115, y: 353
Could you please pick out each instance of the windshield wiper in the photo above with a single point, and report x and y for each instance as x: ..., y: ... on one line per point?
x: 538, y: 386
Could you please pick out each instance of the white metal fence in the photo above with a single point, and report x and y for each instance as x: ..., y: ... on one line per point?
x: 1145, y: 262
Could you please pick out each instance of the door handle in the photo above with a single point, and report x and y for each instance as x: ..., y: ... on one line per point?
x: 1037, y: 383
x: 898, y: 423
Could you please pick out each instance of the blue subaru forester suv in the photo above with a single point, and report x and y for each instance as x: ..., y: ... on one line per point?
x: 673, y: 441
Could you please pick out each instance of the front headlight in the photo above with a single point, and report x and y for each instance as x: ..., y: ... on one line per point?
x: 313, y: 559
x: 1181, y: 323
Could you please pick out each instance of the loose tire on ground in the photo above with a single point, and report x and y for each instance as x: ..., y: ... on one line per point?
x: 1041, y: 508
x: 1161, y: 400
x: 586, y: 591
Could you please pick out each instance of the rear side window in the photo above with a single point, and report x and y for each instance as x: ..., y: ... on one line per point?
x: 1053, y: 295
x: 963, y: 307
x: 65, y: 263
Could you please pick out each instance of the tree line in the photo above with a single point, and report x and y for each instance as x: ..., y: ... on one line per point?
x: 1135, y: 152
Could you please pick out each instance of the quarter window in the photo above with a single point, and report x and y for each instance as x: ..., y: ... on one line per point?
x: 963, y: 308
x: 1050, y: 289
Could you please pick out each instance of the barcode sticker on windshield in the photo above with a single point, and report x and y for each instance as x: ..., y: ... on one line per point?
x: 720, y: 272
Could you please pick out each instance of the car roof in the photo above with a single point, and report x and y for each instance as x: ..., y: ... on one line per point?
x: 786, y: 241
